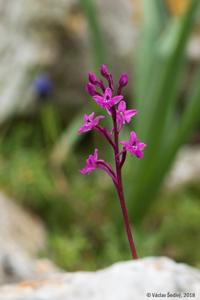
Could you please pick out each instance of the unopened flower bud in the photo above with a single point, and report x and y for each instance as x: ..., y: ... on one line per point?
x: 90, y: 88
x: 104, y: 71
x: 92, y: 78
x: 123, y: 81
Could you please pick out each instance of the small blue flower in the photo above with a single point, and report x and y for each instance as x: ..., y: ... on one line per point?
x: 43, y: 86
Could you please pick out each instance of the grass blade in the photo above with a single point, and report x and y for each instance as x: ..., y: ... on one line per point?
x: 186, y: 125
x: 155, y: 115
x: 96, y: 36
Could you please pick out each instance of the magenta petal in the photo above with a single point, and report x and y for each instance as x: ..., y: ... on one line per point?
x: 141, y: 146
x: 91, y: 163
x: 90, y: 160
x: 133, y: 138
x: 87, y: 170
x: 98, y: 99
x: 108, y: 92
x: 89, y: 122
x: 139, y: 154
x: 98, y: 119
x: 116, y: 99
x: 84, y: 171
x: 129, y: 114
x: 120, y: 119
x: 124, y: 143
x: 95, y: 155
x: 122, y: 106
x: 85, y: 118
x: 91, y: 116
x: 84, y: 128
x: 81, y: 130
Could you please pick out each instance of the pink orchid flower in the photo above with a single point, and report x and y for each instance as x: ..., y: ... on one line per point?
x: 134, y: 146
x: 90, y: 122
x: 107, y: 100
x: 124, y: 116
x: 91, y: 163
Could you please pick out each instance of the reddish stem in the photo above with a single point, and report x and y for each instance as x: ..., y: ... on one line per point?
x: 123, y: 159
x: 105, y: 134
x: 119, y: 187
x: 108, y: 169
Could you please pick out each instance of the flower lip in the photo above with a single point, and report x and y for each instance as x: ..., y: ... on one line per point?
x: 123, y: 115
x: 91, y: 163
x: 134, y: 146
x: 89, y: 122
x: 106, y: 100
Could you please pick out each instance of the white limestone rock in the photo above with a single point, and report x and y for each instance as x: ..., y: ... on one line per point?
x: 22, y: 236
x: 130, y: 280
x: 52, y: 36
x: 185, y: 169
x: 19, y: 227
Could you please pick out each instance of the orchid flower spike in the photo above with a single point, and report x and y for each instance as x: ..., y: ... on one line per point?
x: 113, y: 102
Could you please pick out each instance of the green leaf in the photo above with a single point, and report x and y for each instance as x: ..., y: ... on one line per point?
x: 153, y: 22
x: 95, y: 32
x: 69, y: 138
x: 163, y: 97
x: 67, y: 141
x: 157, y: 109
x: 186, y: 124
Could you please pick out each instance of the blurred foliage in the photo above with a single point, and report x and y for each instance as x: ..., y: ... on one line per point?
x: 178, y: 7
x: 82, y: 214
x: 95, y: 32
x: 161, y: 65
x: 167, y: 117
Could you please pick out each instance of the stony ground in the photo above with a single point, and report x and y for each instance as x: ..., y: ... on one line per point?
x: 130, y: 280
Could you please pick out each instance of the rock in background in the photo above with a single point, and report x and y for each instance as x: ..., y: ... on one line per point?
x: 52, y: 37
x: 122, y: 281
x: 31, y: 42
x: 22, y: 236
x: 185, y: 169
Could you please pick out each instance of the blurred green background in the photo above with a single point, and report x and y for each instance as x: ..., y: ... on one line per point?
x: 41, y: 153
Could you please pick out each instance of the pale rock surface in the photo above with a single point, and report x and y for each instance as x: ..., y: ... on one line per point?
x: 51, y: 36
x: 185, y: 169
x: 19, y: 227
x: 130, y: 280
x: 22, y: 236
x: 27, y: 46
